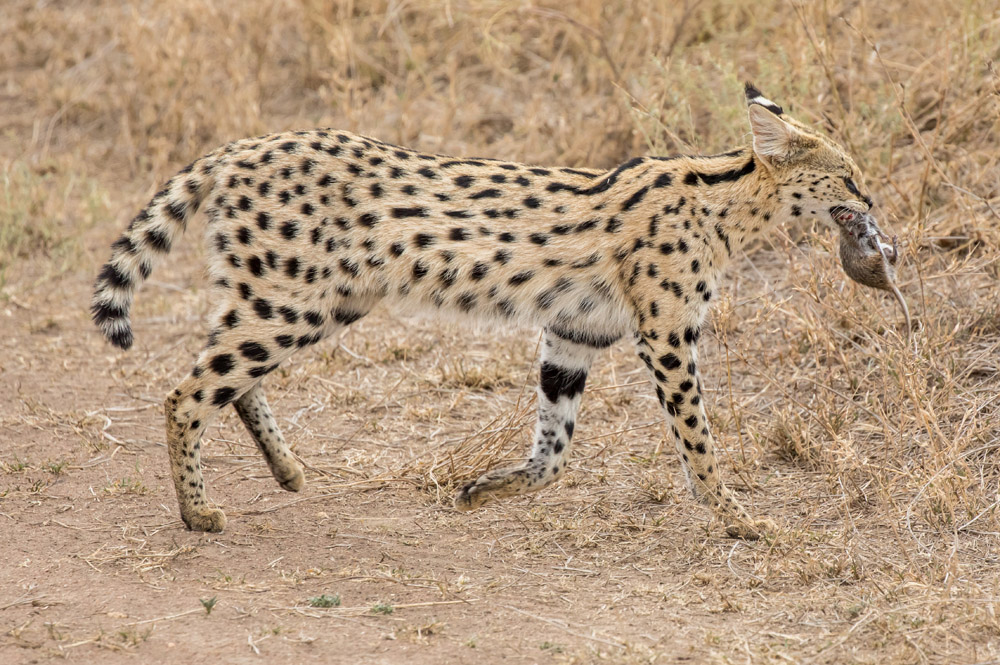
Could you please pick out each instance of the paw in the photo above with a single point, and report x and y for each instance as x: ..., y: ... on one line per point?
x: 293, y: 479
x: 470, y: 498
x: 500, y: 483
x: 748, y: 529
x: 212, y: 520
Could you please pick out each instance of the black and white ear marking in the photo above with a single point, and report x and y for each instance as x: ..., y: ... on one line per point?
x: 754, y: 96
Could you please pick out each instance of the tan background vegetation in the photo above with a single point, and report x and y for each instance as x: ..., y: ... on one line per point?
x: 878, y: 457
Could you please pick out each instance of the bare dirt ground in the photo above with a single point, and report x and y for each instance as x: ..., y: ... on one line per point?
x: 876, y: 456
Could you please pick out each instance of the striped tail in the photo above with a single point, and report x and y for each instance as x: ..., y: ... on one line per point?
x: 148, y: 237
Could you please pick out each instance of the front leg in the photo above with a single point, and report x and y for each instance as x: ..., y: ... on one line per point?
x: 564, y: 372
x: 672, y: 360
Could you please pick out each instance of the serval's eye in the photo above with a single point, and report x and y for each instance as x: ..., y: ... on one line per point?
x: 851, y: 187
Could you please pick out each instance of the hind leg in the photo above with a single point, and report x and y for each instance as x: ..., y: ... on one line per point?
x: 188, y: 410
x: 246, y: 346
x: 255, y: 413
x: 221, y: 376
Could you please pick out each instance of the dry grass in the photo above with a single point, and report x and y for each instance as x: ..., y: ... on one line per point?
x: 877, y: 455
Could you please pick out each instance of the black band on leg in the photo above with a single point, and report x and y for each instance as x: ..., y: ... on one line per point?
x: 559, y: 381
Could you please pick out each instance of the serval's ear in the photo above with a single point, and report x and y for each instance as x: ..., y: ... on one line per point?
x: 754, y: 96
x: 774, y: 140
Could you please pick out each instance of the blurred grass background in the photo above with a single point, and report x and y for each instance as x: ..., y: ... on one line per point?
x: 101, y: 101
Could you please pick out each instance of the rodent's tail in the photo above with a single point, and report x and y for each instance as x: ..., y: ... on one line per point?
x: 148, y: 237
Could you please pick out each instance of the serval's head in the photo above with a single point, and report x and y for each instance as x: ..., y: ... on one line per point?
x: 817, y: 178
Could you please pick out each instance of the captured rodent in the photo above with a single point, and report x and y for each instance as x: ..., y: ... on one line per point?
x: 868, y: 256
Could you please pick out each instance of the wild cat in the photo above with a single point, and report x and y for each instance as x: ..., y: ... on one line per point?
x: 309, y: 230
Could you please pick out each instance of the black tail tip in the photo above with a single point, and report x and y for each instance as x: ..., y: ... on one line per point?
x: 122, y: 339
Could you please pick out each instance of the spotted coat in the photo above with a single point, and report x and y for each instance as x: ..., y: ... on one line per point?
x: 308, y: 230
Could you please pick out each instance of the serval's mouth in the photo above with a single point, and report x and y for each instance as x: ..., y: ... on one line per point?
x: 846, y: 217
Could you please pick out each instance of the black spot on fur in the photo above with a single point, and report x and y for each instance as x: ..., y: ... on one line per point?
x: 349, y: 267
x: 176, y: 210
x: 222, y: 364
x: 263, y: 308
x: 467, y: 301
x: 559, y: 381
x: 506, y: 307
x: 112, y: 276
x: 635, y: 199
x: 399, y: 213
x: 663, y: 180
x: 547, y: 298
x: 609, y: 180
x: 521, y: 277
x: 158, y: 240
x: 585, y: 338
x: 289, y: 314
x: 306, y: 340
x: 479, y: 270
x: 104, y: 312
x: 424, y: 240
x: 125, y: 244
x: 256, y: 266
x: 290, y: 229
x: 731, y: 175
x: 670, y: 361
x: 223, y: 396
